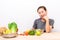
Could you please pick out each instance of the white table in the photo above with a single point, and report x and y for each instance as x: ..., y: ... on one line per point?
x: 44, y: 36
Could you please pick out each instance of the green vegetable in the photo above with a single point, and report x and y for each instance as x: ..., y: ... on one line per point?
x: 32, y: 32
x: 13, y: 27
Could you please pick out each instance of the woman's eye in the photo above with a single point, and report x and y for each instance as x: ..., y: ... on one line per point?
x: 39, y: 13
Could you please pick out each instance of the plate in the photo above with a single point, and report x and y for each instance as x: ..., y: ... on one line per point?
x: 9, y: 35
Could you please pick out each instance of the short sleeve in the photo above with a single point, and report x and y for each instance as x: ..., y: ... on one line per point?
x: 51, y: 22
x: 35, y: 24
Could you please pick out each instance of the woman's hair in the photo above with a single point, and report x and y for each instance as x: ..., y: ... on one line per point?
x: 42, y: 7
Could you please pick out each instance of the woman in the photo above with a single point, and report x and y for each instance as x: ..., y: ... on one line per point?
x: 44, y: 22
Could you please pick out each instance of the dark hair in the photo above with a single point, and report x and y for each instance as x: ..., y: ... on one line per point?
x: 42, y: 7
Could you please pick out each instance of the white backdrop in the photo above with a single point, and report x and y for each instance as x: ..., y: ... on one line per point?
x: 23, y: 12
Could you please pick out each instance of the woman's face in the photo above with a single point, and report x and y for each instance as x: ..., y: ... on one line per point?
x: 42, y: 12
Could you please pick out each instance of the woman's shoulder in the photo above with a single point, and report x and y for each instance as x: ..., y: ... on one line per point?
x: 37, y: 19
x: 51, y: 20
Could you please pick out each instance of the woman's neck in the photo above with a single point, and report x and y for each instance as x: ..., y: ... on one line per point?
x: 43, y: 20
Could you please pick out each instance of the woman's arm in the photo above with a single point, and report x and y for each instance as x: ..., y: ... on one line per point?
x: 48, y: 27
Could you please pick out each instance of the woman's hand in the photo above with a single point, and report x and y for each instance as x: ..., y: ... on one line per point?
x: 46, y: 18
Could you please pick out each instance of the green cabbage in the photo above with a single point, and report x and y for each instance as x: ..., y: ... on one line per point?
x: 13, y: 27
